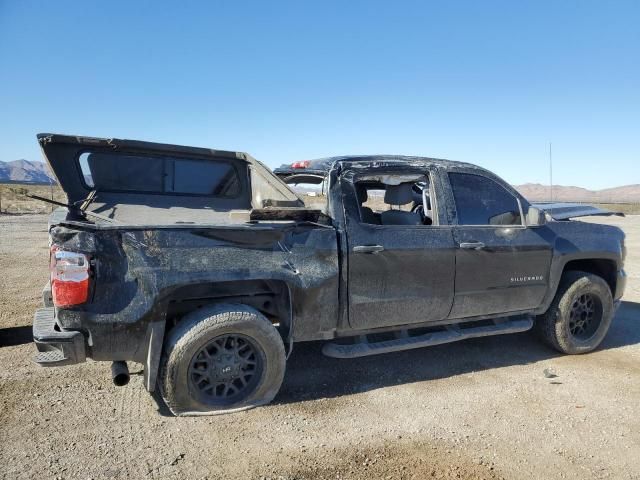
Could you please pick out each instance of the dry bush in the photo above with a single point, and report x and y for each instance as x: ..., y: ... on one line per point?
x: 14, y: 200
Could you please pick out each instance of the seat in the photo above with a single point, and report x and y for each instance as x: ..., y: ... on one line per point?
x: 399, y: 217
x: 399, y: 195
x: 366, y: 214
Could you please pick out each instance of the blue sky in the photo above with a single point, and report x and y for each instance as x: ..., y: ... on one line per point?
x: 489, y: 82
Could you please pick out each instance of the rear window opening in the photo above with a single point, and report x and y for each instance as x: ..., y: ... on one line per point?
x: 117, y: 172
x: 311, y: 188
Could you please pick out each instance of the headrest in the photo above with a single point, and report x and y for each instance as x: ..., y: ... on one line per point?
x: 398, y: 194
x: 361, y: 192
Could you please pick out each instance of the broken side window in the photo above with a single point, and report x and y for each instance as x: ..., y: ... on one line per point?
x: 395, y: 200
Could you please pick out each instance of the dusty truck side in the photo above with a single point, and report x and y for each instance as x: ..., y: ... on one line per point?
x: 206, y: 268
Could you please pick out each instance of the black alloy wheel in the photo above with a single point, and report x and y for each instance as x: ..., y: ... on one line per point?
x: 585, y: 316
x: 226, y: 370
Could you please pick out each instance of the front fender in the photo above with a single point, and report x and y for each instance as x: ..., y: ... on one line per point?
x: 582, y: 243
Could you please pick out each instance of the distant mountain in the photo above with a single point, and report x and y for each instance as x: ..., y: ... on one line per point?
x: 539, y: 192
x: 25, y: 171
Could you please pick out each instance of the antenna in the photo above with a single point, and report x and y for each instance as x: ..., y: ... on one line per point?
x: 550, y: 174
x: 51, y: 188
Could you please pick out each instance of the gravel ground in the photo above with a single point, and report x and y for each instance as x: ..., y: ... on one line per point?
x: 483, y: 408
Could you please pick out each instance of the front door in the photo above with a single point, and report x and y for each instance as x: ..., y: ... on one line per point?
x: 501, y: 265
x: 397, y: 274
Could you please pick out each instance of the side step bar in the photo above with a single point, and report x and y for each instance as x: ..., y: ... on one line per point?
x: 404, y: 341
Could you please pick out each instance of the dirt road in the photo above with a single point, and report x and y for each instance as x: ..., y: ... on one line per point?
x: 477, y: 409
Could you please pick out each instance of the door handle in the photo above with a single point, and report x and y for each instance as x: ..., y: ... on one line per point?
x: 368, y: 249
x: 472, y: 245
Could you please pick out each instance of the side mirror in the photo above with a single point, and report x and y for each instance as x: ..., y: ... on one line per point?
x: 535, y: 217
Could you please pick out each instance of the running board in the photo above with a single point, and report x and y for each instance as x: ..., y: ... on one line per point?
x: 404, y: 341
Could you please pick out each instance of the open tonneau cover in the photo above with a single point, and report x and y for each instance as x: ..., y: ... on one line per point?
x: 565, y: 211
x: 136, y: 182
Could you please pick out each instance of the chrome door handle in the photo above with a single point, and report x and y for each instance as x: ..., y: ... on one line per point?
x: 472, y: 245
x: 368, y: 249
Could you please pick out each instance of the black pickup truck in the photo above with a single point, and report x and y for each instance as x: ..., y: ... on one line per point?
x: 206, y: 267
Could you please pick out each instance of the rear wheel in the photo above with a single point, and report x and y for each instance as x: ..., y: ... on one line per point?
x: 221, y: 359
x: 579, y: 316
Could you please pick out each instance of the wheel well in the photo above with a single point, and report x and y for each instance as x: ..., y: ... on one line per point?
x: 269, y: 297
x: 601, y: 267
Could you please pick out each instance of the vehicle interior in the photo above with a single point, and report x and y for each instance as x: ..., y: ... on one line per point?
x: 395, y: 201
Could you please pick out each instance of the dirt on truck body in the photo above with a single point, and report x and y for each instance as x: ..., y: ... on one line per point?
x: 206, y: 267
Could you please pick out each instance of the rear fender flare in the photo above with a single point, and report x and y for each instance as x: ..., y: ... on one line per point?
x: 157, y: 328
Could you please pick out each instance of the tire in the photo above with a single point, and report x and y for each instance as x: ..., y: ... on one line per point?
x: 217, y: 349
x: 579, y: 317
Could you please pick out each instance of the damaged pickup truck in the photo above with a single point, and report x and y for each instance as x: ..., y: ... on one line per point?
x: 206, y: 267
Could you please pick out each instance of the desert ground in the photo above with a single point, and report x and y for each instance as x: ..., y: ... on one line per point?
x: 14, y: 200
x: 499, y: 407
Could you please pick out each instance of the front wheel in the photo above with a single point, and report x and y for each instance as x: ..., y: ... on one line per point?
x: 221, y: 359
x: 580, y: 314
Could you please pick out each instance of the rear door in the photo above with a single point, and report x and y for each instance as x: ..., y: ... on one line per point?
x: 397, y: 274
x: 501, y: 265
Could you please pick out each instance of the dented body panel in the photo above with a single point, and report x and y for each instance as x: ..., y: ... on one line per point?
x: 137, y: 270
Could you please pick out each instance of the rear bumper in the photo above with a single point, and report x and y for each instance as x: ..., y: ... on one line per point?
x: 47, y: 297
x: 56, y: 347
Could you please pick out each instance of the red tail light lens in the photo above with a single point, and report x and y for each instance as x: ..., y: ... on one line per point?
x: 69, y: 277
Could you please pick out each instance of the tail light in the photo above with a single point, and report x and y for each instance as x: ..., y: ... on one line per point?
x: 69, y: 277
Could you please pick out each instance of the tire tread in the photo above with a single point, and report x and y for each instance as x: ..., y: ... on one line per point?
x: 198, y: 323
x: 549, y: 325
